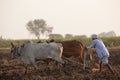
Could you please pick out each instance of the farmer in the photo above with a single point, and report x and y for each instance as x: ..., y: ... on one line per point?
x: 102, y: 52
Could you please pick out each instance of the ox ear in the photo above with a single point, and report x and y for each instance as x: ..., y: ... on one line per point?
x: 12, y: 44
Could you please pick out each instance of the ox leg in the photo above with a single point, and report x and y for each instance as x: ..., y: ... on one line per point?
x: 81, y: 58
x: 12, y: 55
x: 59, y: 65
x: 47, y: 69
x: 26, y: 68
x: 34, y: 64
x: 47, y: 62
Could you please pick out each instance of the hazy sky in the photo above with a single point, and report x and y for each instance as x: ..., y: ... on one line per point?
x: 76, y: 17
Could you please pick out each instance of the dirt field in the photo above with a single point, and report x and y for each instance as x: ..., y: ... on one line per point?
x: 13, y: 69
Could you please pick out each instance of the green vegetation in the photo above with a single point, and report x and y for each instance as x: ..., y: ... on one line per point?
x: 109, y: 42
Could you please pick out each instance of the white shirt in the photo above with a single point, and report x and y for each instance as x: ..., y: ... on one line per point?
x: 100, y: 48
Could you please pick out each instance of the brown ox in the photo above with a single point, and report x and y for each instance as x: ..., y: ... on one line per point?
x: 73, y: 48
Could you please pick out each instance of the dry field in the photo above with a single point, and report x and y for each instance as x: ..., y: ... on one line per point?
x: 13, y: 69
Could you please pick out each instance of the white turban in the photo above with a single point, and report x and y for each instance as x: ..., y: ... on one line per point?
x: 94, y: 36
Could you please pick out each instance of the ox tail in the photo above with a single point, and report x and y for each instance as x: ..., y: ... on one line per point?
x: 61, y: 51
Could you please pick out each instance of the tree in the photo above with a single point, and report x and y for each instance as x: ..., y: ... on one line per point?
x: 38, y: 27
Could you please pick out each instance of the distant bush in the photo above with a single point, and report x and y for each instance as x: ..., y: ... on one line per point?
x: 109, y: 42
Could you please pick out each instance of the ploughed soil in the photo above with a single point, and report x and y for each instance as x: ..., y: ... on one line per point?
x: 13, y: 69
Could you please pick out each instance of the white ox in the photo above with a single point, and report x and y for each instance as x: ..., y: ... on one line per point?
x: 32, y: 51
